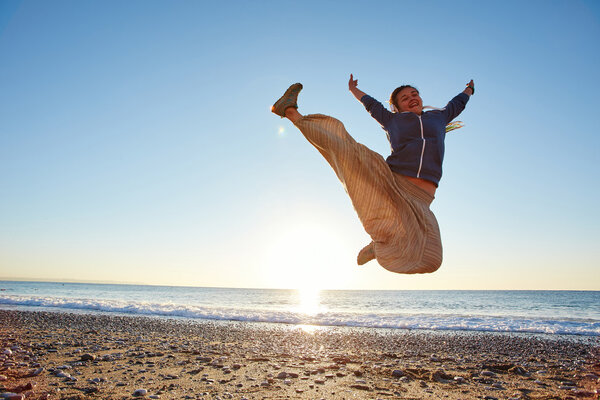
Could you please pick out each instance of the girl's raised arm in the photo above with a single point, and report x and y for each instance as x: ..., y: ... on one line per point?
x: 374, y: 107
x: 353, y: 87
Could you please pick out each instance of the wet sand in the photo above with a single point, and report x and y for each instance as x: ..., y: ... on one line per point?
x: 79, y: 356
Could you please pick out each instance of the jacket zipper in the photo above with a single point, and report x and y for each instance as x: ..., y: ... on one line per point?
x: 422, y: 149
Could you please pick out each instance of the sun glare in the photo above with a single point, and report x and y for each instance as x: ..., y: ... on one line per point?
x: 309, y: 301
x: 309, y: 257
x: 309, y: 304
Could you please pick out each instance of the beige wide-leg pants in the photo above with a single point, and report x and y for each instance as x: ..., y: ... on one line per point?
x: 394, y: 211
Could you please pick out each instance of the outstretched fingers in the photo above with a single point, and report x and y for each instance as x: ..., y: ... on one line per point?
x: 352, y: 83
x: 470, y: 90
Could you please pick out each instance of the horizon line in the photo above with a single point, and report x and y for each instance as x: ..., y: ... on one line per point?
x: 126, y: 283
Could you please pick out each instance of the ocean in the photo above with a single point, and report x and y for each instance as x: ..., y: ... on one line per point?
x: 538, y: 312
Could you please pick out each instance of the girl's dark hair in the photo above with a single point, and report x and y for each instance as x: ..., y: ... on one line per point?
x: 395, y: 93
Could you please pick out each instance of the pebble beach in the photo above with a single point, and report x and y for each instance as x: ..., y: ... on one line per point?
x: 56, y: 355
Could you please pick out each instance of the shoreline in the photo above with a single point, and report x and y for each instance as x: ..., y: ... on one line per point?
x: 342, y: 326
x: 59, y: 355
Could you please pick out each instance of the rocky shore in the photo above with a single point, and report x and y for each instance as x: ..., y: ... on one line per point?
x: 47, y: 355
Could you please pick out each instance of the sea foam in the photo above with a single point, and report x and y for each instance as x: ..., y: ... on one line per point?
x: 419, y: 321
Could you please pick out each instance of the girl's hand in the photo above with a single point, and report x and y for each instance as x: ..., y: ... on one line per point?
x: 470, y: 88
x: 352, y: 83
x: 353, y: 87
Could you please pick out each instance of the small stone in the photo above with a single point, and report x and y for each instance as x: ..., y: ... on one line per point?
x: 459, y: 379
x: 217, y: 363
x: 320, y: 381
x: 584, y: 393
x: 140, y: 393
x: 488, y: 373
x: 87, y: 357
x: 360, y: 387
x: 518, y: 370
x: 27, y: 387
x: 397, y: 373
x: 154, y: 396
x: 35, y: 372
x: 91, y: 390
x: 282, y: 375
x: 442, y: 377
x: 3, y: 378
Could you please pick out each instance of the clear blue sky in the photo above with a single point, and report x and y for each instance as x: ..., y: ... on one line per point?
x: 136, y: 142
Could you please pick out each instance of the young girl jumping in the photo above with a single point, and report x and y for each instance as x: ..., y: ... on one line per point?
x: 391, y: 197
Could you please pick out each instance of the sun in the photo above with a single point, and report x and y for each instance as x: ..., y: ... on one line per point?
x: 308, y: 256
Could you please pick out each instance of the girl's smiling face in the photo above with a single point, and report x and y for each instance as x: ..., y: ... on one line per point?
x: 408, y: 99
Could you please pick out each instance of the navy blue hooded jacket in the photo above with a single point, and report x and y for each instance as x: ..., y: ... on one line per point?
x: 417, y: 140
